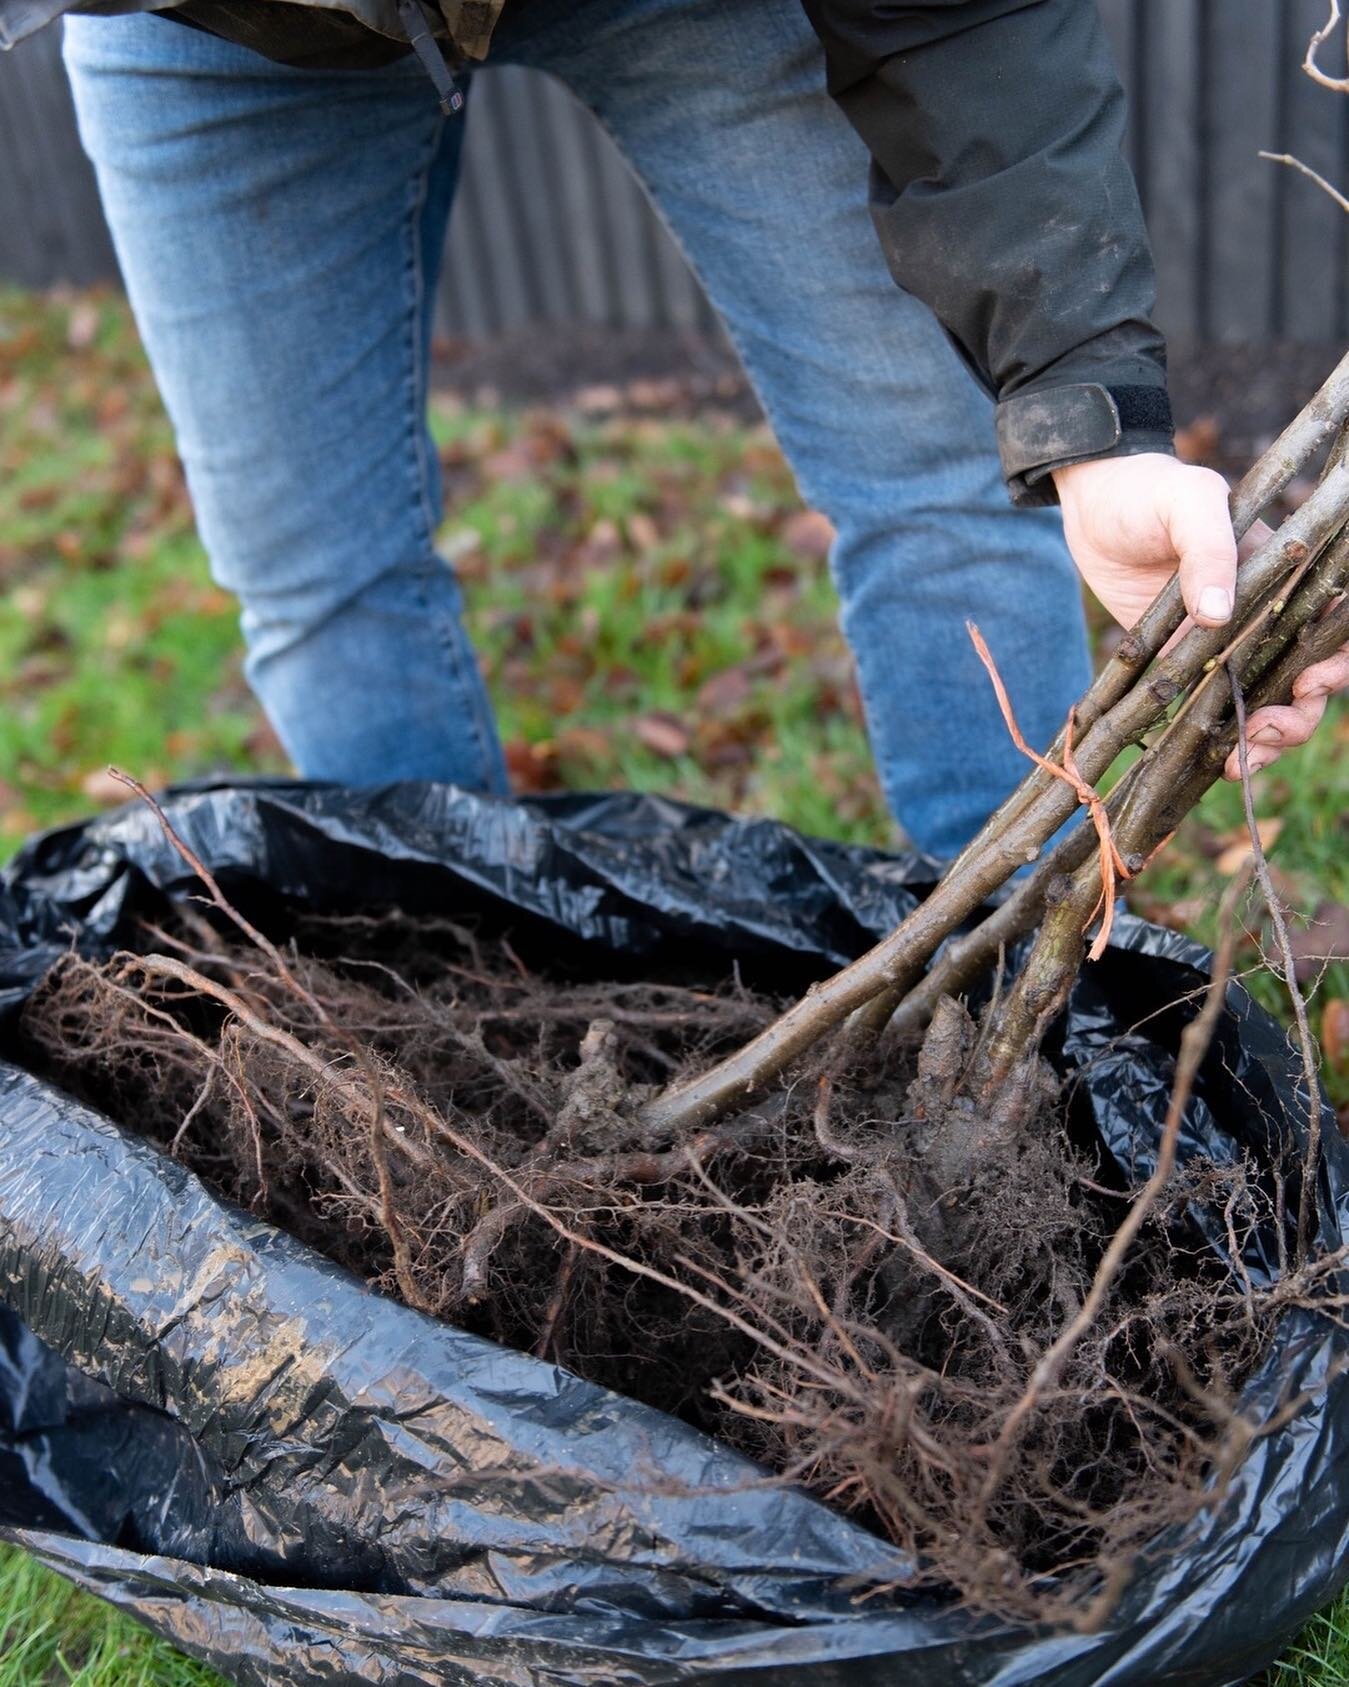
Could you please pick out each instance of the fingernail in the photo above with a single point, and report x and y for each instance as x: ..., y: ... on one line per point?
x: 1259, y: 759
x: 1313, y: 691
x: 1267, y: 735
x: 1215, y: 603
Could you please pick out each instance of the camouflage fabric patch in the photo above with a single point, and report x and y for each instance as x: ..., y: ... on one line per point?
x: 471, y: 23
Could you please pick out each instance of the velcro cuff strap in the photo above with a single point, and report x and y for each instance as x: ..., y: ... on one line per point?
x: 1056, y: 426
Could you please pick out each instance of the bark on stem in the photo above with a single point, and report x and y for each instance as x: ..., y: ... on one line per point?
x: 1299, y: 639
x: 1166, y: 784
x: 895, y: 964
x: 1325, y: 416
x: 1042, y: 986
x: 1313, y: 427
x: 966, y: 958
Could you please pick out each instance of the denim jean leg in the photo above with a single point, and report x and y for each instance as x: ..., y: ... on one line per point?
x: 723, y: 112
x: 278, y: 230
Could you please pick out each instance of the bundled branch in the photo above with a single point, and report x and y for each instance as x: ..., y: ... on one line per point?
x: 1175, y: 703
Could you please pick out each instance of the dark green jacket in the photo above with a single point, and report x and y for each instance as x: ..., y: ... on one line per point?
x: 997, y: 186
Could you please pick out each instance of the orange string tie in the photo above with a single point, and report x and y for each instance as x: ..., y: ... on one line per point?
x: 1113, y: 865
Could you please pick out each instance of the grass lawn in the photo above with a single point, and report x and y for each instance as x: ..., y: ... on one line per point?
x: 653, y: 610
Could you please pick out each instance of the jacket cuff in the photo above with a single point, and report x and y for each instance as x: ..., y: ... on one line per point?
x: 1042, y: 431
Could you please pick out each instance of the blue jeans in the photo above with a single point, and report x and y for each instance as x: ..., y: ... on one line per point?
x: 280, y: 232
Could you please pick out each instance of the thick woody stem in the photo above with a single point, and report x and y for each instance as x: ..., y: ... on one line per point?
x: 1314, y: 426
x: 913, y: 1007
x: 1315, y: 643
x: 897, y: 962
x: 967, y: 958
x: 1324, y: 418
x: 1042, y: 986
x: 1298, y: 637
x: 1165, y: 785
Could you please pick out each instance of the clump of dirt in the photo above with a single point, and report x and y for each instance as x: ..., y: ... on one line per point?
x: 852, y: 1279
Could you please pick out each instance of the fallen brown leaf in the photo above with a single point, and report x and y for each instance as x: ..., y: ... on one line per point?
x: 583, y: 744
x: 16, y: 817
x: 734, y: 742
x: 740, y: 506
x: 182, y: 743
x: 594, y: 399
x: 725, y: 690
x: 1182, y: 914
x: 532, y: 767
x: 1325, y: 940
x: 1199, y: 442
x: 643, y: 534
x: 263, y: 745
x: 566, y: 694
x: 82, y: 326
x: 1236, y: 850
x: 603, y: 542
x: 662, y: 733
x: 29, y: 601
x: 1335, y: 1033
x: 100, y: 787
x: 808, y: 534
x: 512, y: 463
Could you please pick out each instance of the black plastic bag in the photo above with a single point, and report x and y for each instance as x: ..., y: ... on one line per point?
x: 297, y: 1480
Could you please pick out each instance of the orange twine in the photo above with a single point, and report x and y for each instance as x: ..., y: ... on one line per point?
x: 1113, y: 866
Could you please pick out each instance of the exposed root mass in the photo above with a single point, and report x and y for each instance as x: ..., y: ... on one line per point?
x: 852, y: 1280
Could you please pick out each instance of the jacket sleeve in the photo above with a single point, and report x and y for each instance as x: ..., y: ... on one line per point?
x: 1003, y: 201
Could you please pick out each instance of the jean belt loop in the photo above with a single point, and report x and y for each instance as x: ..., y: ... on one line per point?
x: 427, y: 49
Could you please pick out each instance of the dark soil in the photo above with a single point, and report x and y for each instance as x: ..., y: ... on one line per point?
x: 851, y: 1280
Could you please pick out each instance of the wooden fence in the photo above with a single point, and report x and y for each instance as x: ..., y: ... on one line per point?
x: 551, y: 226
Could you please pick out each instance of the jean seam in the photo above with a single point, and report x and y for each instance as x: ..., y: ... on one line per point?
x: 868, y: 708
x: 417, y: 386
x: 731, y: 331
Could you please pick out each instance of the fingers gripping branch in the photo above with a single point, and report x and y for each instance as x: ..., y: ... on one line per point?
x: 1199, y: 523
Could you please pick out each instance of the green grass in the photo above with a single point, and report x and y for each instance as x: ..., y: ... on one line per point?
x: 51, y: 1633
x: 653, y: 611
x: 1320, y: 1655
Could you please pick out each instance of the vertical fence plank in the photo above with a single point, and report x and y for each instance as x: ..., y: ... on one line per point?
x: 551, y: 226
x: 544, y: 117
x: 1243, y: 75
x: 1311, y: 227
x: 501, y: 243
x: 625, y: 212
x: 1167, y: 119
x: 51, y: 225
x: 1123, y: 26
x: 578, y: 203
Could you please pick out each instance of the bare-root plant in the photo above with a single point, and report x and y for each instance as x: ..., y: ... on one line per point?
x: 1020, y: 1374
x: 860, y: 1238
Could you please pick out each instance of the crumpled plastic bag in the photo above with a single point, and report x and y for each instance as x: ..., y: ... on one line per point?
x: 297, y: 1480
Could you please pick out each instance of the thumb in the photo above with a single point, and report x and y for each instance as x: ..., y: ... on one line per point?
x: 1200, y: 526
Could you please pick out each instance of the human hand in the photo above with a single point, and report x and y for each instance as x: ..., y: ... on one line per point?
x: 1131, y: 522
